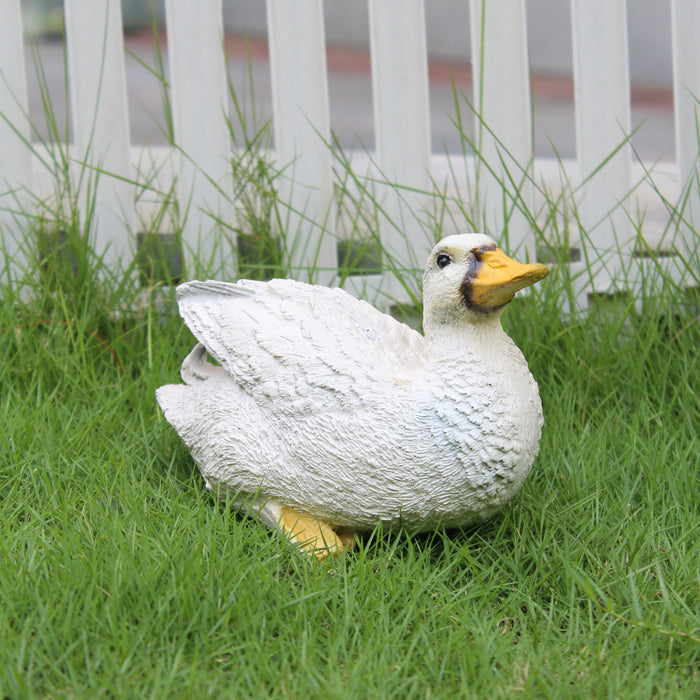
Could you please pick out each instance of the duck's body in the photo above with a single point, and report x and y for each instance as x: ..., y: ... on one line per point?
x: 326, y: 408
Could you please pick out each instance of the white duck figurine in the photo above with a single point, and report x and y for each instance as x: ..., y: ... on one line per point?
x: 325, y: 416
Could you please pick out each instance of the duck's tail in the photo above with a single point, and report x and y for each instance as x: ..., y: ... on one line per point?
x: 195, y: 367
x: 175, y: 400
x: 172, y: 399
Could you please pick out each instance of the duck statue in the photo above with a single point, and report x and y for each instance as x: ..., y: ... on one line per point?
x: 324, y: 417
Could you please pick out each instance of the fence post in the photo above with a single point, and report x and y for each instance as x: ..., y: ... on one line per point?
x: 602, y: 108
x: 95, y: 43
x: 686, y: 93
x: 302, y: 135
x: 202, y: 138
x: 15, y: 154
x: 503, y: 123
x: 402, y: 128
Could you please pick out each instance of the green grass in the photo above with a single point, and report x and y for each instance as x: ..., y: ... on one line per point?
x: 121, y: 577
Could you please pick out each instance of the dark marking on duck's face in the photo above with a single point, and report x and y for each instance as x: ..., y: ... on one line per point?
x: 476, y: 256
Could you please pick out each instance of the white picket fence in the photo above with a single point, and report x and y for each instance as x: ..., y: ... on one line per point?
x: 499, y: 185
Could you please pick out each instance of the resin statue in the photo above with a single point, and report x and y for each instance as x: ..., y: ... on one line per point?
x: 324, y: 416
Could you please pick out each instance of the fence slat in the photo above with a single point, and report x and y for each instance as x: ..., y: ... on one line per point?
x: 199, y: 104
x: 686, y: 92
x: 15, y: 163
x: 302, y: 134
x: 95, y: 45
x: 503, y: 122
x: 402, y: 128
x: 602, y: 108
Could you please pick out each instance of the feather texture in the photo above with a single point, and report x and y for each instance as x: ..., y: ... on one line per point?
x: 290, y: 343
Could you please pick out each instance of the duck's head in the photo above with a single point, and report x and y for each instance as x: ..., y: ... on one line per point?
x: 468, y: 278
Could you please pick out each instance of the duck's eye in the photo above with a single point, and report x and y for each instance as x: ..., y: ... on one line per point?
x: 443, y: 260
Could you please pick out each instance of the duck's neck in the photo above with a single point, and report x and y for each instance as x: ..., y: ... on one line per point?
x: 483, y: 339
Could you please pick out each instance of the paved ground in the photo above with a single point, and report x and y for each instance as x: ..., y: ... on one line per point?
x: 351, y: 99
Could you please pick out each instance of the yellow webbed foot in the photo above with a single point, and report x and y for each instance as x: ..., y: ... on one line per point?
x: 314, y: 536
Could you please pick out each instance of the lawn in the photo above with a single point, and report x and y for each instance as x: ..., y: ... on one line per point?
x: 121, y: 577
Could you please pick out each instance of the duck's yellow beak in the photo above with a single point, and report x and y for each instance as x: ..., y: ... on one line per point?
x: 499, y: 277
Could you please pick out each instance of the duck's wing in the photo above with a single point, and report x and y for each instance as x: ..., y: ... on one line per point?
x: 293, y: 342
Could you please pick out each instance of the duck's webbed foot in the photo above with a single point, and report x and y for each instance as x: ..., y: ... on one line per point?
x: 314, y: 536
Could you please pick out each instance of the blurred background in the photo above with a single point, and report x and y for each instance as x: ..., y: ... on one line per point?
x: 347, y: 30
